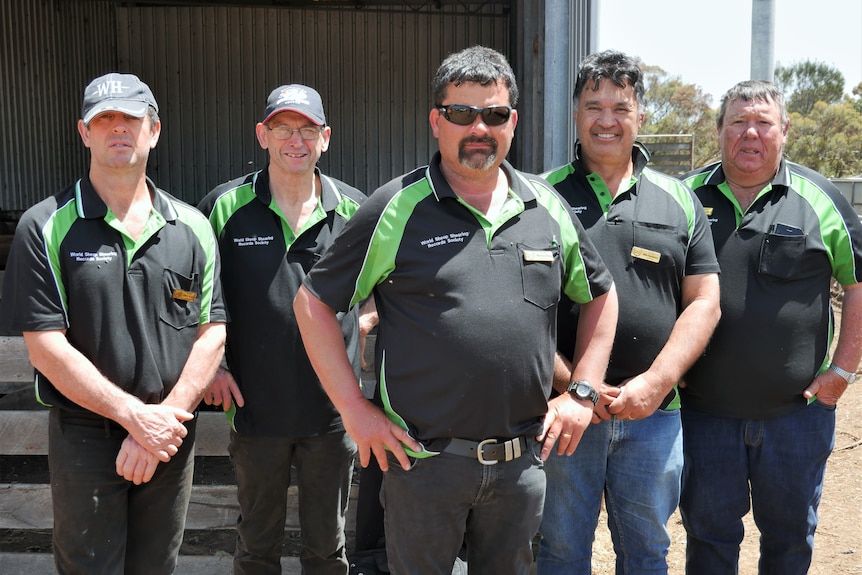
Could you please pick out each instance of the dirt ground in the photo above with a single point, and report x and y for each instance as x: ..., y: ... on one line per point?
x: 838, y: 541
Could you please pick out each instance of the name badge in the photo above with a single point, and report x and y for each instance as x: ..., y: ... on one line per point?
x: 538, y: 256
x: 644, y: 254
x: 183, y: 295
x: 707, y: 210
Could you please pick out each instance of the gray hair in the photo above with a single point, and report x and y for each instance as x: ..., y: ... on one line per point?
x: 748, y: 90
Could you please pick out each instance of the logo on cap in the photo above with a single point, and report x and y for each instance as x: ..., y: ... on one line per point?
x: 293, y: 95
x: 117, y: 92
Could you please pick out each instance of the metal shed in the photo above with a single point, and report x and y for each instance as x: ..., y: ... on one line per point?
x: 211, y: 64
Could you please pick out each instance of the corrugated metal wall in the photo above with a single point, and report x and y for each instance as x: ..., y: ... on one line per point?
x: 211, y: 69
x: 47, y: 50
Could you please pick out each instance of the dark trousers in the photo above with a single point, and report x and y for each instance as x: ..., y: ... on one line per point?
x: 447, y: 500
x: 103, y: 524
x: 324, y: 467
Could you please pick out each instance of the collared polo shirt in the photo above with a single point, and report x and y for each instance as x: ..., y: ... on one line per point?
x: 777, y: 259
x: 132, y: 307
x: 650, y: 236
x: 263, y: 265
x: 467, y: 306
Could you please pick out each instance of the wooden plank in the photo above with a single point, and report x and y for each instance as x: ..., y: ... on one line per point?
x: 25, y: 432
x: 28, y: 506
x: 14, y: 361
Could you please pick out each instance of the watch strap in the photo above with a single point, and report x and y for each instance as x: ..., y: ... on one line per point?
x: 845, y: 375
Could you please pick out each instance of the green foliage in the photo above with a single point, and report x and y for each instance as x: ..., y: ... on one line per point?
x: 825, y: 125
x: 857, y: 102
x: 828, y: 140
x: 674, y: 107
x: 806, y: 83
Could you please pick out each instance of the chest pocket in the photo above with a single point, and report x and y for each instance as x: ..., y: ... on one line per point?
x: 656, y: 246
x: 541, y: 275
x: 181, y: 303
x: 783, y: 253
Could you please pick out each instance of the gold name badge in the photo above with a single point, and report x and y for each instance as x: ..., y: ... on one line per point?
x: 708, y: 211
x: 538, y: 256
x: 644, y: 254
x: 183, y: 295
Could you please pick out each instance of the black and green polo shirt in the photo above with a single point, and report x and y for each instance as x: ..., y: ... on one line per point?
x: 263, y: 265
x: 131, y: 307
x: 650, y: 236
x: 777, y: 260
x: 467, y: 306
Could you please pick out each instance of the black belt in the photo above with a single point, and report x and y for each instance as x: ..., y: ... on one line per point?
x: 488, y: 451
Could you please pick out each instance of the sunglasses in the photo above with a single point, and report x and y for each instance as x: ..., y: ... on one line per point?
x: 465, y: 115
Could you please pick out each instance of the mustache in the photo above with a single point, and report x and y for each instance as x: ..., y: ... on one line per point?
x: 479, y: 140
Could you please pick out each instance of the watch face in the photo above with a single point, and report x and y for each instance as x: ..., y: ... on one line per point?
x: 582, y: 391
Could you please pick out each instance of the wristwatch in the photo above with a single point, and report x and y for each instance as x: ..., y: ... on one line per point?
x: 583, y: 390
x: 848, y: 376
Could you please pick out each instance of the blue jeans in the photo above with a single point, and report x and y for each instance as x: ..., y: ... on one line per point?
x: 775, y: 465
x: 636, y: 465
x: 446, y: 500
x: 104, y: 524
x: 324, y: 466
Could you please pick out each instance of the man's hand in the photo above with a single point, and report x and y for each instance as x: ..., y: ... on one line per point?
x: 828, y: 387
x: 159, y: 428
x: 134, y: 463
x: 607, y: 395
x: 374, y: 433
x: 566, y: 420
x: 223, y: 391
x: 639, y: 397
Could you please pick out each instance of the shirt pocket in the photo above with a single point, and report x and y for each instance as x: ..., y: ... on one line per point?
x: 541, y: 275
x: 783, y: 252
x: 181, y: 302
x: 656, y: 247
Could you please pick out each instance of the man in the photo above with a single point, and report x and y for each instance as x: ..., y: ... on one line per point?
x: 115, y: 285
x: 272, y: 225
x: 759, y: 406
x: 466, y: 259
x: 654, y: 237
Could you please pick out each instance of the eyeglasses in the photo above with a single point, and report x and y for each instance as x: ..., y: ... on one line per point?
x: 286, y: 133
x: 465, y: 115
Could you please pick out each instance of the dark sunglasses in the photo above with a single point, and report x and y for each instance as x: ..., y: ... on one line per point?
x: 465, y: 115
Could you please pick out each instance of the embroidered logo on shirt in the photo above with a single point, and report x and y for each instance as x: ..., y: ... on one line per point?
x: 442, y: 240
x: 253, y: 241
x: 100, y: 256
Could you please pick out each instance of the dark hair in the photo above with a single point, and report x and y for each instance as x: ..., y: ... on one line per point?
x: 748, y: 90
x: 478, y: 64
x: 613, y: 65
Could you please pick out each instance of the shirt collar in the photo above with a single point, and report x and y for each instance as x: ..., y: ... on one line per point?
x: 329, y: 196
x: 441, y: 188
x: 91, y: 206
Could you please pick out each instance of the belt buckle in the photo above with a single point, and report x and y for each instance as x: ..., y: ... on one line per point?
x: 479, y: 456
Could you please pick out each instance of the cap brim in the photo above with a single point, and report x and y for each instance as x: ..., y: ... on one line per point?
x: 134, y: 108
x: 314, y: 119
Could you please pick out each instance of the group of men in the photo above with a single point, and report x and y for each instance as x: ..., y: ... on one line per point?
x: 602, y: 333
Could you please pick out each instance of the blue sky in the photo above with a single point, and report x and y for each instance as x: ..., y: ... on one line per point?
x: 708, y: 42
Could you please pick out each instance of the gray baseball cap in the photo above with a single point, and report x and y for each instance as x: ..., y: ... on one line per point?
x: 117, y: 92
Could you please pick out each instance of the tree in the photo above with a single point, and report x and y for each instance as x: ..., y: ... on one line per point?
x: 806, y: 83
x: 828, y: 140
x: 674, y: 107
x: 857, y: 102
